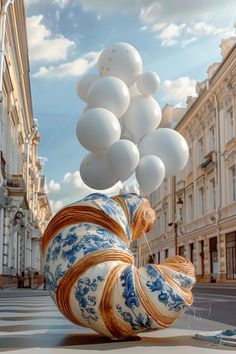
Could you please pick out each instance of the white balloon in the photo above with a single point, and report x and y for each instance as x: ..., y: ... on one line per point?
x: 133, y: 91
x: 96, y: 173
x: 150, y: 173
x: 169, y: 145
x: 97, y: 129
x: 121, y: 60
x: 123, y: 158
x: 148, y: 83
x: 110, y: 93
x: 122, y: 126
x: 84, y: 84
x: 142, y: 116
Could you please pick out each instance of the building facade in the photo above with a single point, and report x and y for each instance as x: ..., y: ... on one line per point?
x: 196, y: 210
x: 24, y: 207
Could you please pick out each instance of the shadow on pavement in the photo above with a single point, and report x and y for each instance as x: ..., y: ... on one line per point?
x: 92, y: 342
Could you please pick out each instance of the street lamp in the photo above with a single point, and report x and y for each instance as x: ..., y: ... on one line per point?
x: 18, y: 222
x: 178, y: 221
x: 178, y: 214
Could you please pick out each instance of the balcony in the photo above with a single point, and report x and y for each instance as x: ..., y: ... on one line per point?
x: 210, y: 161
x: 16, y: 185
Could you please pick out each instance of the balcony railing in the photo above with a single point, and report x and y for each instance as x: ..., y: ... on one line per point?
x: 15, y: 183
x: 210, y: 160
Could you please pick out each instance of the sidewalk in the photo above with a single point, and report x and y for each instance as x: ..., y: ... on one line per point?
x: 215, y: 286
x: 31, y: 324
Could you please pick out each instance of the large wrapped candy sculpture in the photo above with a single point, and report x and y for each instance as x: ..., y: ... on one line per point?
x: 91, y: 274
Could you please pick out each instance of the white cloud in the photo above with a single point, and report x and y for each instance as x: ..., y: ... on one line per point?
x: 228, y: 33
x: 143, y: 28
x: 149, y: 14
x: 171, y: 31
x: 74, y: 179
x: 156, y: 12
x: 169, y: 34
x: 76, y: 67
x: 158, y: 26
x: 53, y: 186
x: 204, y: 29
x: 175, y: 21
x: 56, y: 205
x: 43, y: 45
x: 73, y: 189
x: 188, y: 41
x: 177, y: 90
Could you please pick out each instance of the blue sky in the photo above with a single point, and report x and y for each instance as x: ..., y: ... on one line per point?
x: 178, y: 39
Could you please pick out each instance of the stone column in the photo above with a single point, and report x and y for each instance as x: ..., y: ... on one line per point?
x: 221, y: 259
x: 6, y: 233
x: 207, y: 261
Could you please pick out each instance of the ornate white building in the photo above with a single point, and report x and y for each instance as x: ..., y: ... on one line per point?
x: 196, y: 211
x: 24, y: 207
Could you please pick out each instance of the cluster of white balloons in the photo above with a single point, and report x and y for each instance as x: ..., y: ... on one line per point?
x: 119, y: 124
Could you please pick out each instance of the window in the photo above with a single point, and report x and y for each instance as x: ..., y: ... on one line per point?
x: 232, y: 184
x: 158, y: 257
x: 231, y: 255
x: 201, y: 202
x: 181, y: 251
x: 230, y: 124
x: 166, y: 252
x: 200, y: 151
x: 212, y: 195
x: 202, y: 257
x: 211, y: 139
x: 190, y: 163
x: 190, y: 208
x: 191, y: 250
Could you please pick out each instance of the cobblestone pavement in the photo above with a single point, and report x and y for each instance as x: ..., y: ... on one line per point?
x: 30, y: 323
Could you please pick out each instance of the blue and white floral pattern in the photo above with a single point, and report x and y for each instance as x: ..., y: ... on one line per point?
x: 69, y: 246
x: 132, y: 315
x: 184, y: 281
x: 76, y: 241
x: 132, y: 201
x: 109, y: 206
x: 165, y: 293
x: 52, y: 278
x: 85, y: 293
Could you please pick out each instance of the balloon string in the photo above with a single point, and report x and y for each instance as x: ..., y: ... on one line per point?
x: 150, y: 251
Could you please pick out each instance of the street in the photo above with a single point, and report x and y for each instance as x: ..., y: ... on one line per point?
x: 29, y: 319
x: 218, y: 305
